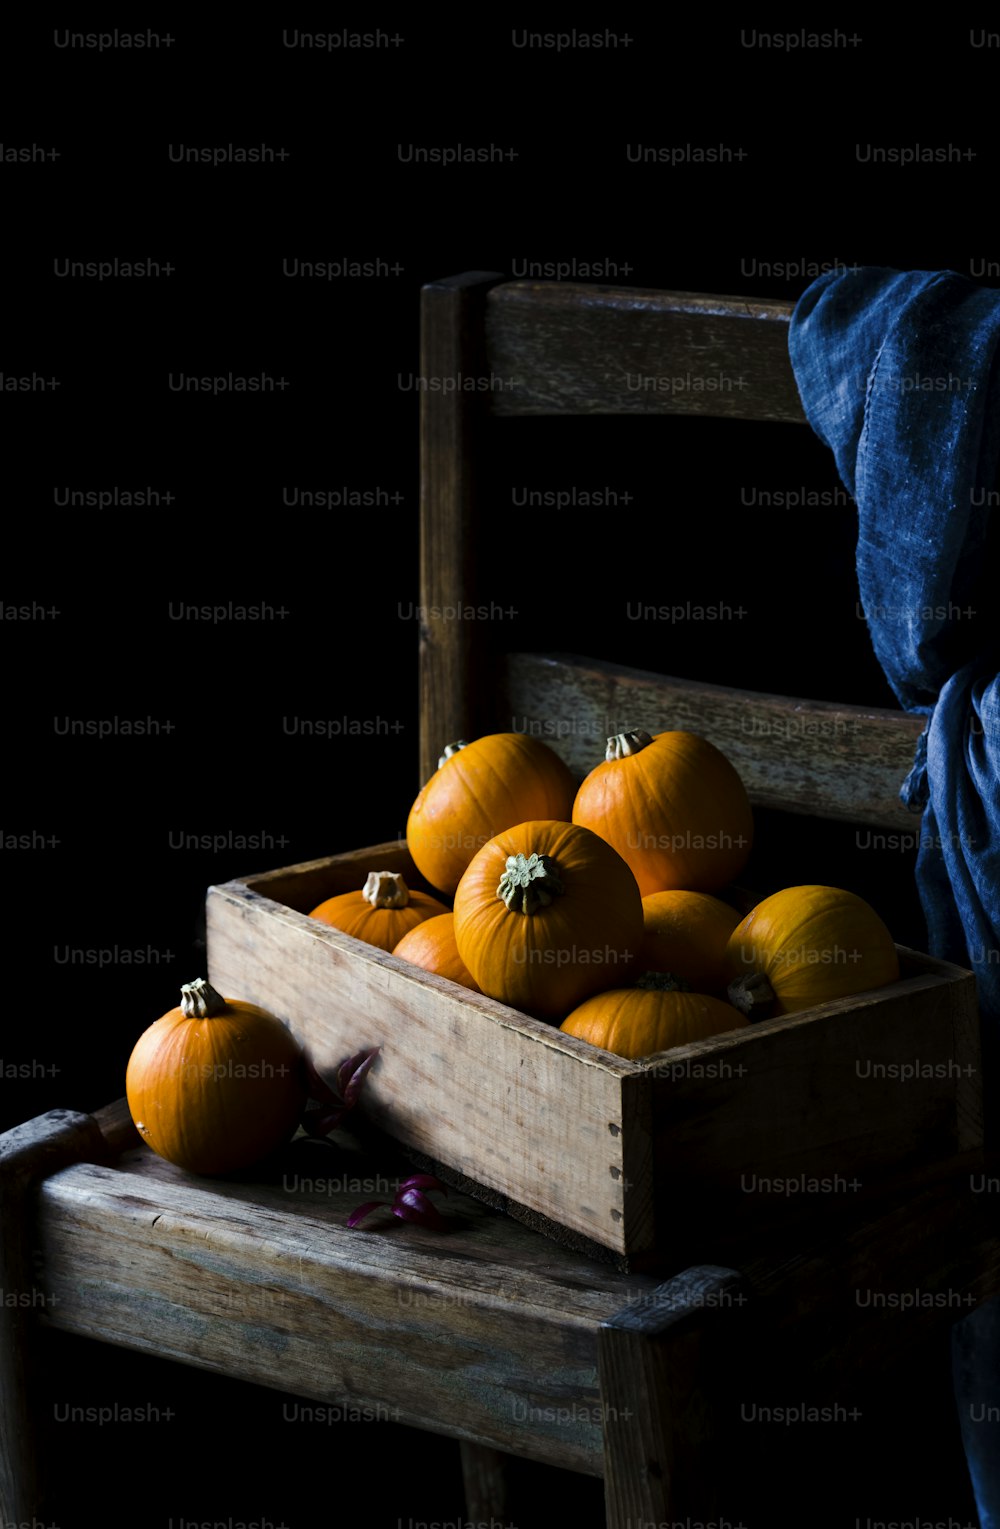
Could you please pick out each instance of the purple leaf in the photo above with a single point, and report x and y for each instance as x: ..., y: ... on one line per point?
x: 352, y: 1073
x: 319, y: 1088
x: 364, y: 1210
x: 333, y: 1106
x: 421, y: 1181
x: 411, y: 1205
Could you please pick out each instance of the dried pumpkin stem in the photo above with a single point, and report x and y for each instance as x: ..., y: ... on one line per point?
x: 385, y: 889
x: 624, y: 744
x: 753, y: 995
x: 451, y: 749
x: 199, y: 1000
x: 530, y: 882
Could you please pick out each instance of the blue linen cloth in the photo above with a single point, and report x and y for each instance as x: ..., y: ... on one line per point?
x: 899, y: 374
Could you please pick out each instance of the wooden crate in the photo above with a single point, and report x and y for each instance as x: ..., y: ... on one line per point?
x: 636, y: 1159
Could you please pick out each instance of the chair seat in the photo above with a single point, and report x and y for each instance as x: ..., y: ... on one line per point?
x: 488, y: 1332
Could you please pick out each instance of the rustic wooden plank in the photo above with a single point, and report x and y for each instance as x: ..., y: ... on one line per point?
x: 814, y: 757
x: 656, y: 1364
x: 841, y: 1094
x: 578, y: 349
x: 451, y: 350
x: 28, y: 1153
x: 483, y: 1346
x: 449, y: 1061
x: 327, y: 1180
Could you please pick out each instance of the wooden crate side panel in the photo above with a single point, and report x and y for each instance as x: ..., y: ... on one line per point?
x: 298, y: 1306
x: 813, y: 757
x: 843, y: 1093
x: 508, y: 1101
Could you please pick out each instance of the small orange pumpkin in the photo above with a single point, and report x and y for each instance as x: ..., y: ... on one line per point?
x: 480, y: 789
x: 546, y: 914
x: 673, y: 807
x: 686, y: 933
x: 216, y: 1084
x: 808, y: 945
x: 382, y: 912
x: 432, y: 946
x: 635, y: 1022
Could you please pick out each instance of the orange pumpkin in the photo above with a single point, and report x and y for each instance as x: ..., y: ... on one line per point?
x: 673, y: 807
x: 686, y: 933
x: 382, y: 912
x: 636, y: 1022
x: 807, y: 945
x: 432, y: 946
x: 480, y: 789
x: 216, y: 1084
x: 546, y: 914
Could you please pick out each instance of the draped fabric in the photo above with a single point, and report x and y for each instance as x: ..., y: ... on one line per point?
x: 899, y: 375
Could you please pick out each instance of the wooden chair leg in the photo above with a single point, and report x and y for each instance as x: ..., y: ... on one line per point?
x: 485, y: 1472
x: 28, y: 1153
x: 658, y: 1408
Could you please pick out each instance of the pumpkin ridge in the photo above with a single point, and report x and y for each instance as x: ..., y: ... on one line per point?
x: 666, y: 811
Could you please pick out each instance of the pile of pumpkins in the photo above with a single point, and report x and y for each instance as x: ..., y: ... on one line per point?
x: 594, y: 907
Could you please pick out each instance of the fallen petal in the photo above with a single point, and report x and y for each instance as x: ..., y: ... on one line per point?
x: 364, y: 1210
x: 352, y: 1073
x: 422, y: 1181
x: 411, y: 1205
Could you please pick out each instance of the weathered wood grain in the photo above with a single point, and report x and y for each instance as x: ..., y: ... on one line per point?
x: 578, y: 349
x: 487, y: 1333
x: 661, y: 1456
x: 451, y: 350
x: 450, y: 1061
x: 813, y: 757
x: 28, y: 1154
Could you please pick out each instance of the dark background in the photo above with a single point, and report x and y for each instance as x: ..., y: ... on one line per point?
x: 346, y: 576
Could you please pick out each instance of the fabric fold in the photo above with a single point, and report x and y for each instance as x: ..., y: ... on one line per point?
x: 898, y: 372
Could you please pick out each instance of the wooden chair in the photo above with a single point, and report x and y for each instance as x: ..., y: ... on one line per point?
x: 568, y: 349
x: 521, y: 1346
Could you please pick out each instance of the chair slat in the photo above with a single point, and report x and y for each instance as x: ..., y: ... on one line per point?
x: 813, y: 757
x: 563, y: 348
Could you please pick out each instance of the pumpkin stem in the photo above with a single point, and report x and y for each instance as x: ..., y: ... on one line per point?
x: 624, y: 744
x: 199, y: 1000
x: 753, y: 995
x: 452, y: 748
x: 662, y: 982
x: 385, y: 889
x: 530, y: 882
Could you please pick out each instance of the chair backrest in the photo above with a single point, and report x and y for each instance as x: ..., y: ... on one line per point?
x: 555, y: 348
